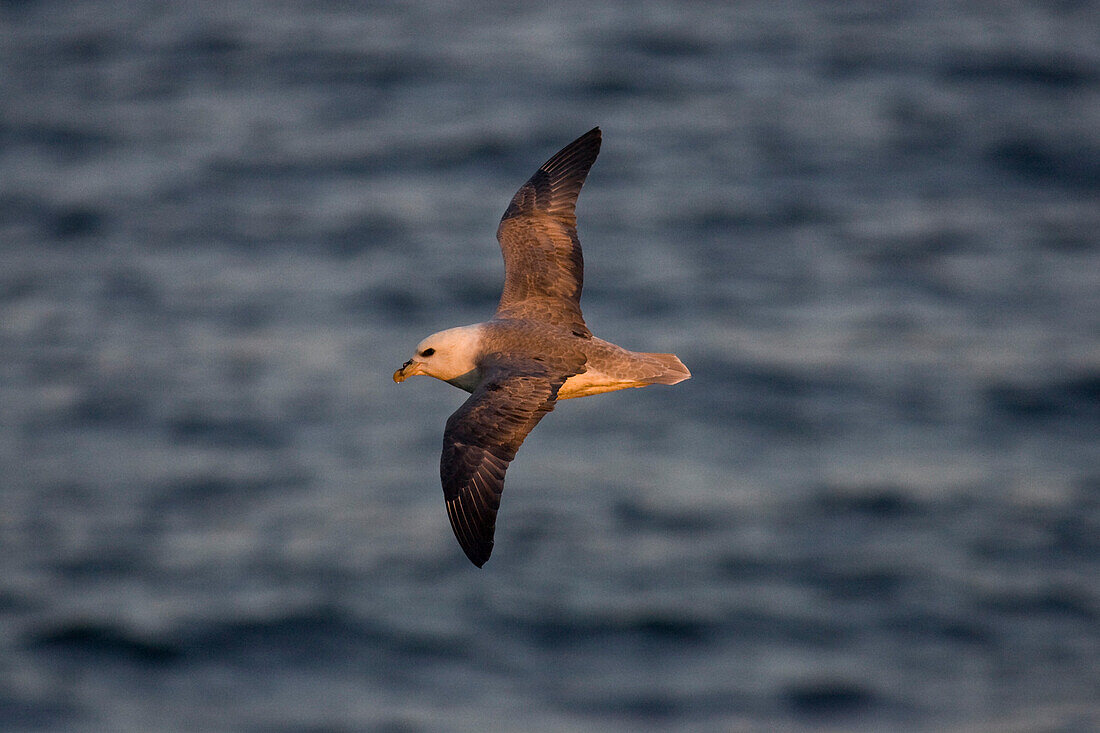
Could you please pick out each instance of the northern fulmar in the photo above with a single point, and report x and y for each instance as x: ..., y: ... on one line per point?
x: 534, y: 351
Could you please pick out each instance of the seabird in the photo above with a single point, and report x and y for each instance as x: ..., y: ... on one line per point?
x: 533, y: 352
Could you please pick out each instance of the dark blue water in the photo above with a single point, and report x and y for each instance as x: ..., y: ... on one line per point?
x: 872, y: 231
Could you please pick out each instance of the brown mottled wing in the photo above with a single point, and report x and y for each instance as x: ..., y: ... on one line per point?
x: 482, y: 438
x: 543, y: 267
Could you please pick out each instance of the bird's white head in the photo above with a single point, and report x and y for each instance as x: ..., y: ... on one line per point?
x: 448, y: 355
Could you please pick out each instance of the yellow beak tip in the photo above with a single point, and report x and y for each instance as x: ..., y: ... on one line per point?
x: 407, y: 370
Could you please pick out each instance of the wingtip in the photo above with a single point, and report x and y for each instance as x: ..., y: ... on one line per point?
x: 595, y: 135
x: 567, y: 168
x: 478, y: 559
x: 591, y: 139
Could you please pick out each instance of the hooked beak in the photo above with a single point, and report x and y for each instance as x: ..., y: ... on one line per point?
x: 408, y: 369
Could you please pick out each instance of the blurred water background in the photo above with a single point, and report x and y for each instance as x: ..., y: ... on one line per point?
x: 870, y: 229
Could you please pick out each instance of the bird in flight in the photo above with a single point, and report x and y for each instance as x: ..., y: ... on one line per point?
x: 533, y: 352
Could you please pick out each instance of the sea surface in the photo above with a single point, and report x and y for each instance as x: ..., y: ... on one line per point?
x: 871, y: 230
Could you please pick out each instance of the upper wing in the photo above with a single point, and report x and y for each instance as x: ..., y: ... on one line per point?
x: 482, y: 438
x: 543, y: 267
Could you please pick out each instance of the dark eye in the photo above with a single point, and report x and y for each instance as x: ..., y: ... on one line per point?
x: 427, y: 352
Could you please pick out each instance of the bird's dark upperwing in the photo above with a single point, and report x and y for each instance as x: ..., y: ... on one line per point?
x: 482, y: 438
x: 543, y: 266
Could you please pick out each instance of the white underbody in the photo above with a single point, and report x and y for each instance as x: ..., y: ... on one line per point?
x: 593, y: 382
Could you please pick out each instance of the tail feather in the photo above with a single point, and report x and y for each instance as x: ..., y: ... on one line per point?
x: 672, y: 370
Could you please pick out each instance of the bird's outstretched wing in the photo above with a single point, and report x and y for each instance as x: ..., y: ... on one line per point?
x: 543, y: 266
x: 482, y: 438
